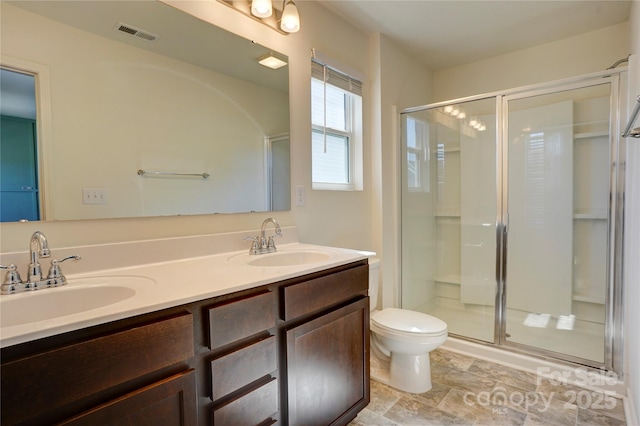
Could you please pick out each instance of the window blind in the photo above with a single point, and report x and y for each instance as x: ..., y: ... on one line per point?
x: 335, y: 78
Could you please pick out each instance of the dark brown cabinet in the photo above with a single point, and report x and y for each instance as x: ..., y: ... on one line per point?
x: 47, y: 386
x: 171, y: 401
x: 244, y: 367
x: 327, y: 367
x: 327, y: 347
x: 292, y: 353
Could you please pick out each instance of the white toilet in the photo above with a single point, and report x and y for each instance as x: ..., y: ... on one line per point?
x: 401, y: 341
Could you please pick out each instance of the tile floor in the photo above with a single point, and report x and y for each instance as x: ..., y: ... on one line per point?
x: 470, y: 391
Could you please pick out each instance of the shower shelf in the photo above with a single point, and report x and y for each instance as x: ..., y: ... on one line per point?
x: 448, y: 214
x: 588, y: 299
x: 449, y: 279
x: 590, y: 135
x: 446, y: 150
x: 590, y: 216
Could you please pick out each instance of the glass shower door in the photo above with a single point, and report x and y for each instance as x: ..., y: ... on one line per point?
x: 449, y: 215
x: 557, y: 166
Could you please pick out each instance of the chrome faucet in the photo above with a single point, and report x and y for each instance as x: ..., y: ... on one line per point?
x: 38, y: 248
x: 269, y: 244
x: 262, y: 244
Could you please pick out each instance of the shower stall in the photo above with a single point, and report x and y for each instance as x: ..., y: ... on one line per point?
x: 511, y: 218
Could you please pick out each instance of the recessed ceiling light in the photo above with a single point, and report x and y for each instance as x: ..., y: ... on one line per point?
x: 272, y: 60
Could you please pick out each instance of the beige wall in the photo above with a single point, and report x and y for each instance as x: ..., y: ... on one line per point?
x: 400, y: 82
x: 590, y: 52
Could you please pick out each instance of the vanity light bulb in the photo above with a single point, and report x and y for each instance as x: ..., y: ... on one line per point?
x: 448, y: 109
x: 482, y: 128
x: 473, y: 123
x: 290, y: 18
x: 261, y: 8
x: 455, y: 112
x: 462, y: 115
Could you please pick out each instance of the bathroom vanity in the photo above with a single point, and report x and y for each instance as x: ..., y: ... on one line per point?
x: 291, y: 351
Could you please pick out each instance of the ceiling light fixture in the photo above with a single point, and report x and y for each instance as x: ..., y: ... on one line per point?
x: 272, y: 60
x: 282, y: 17
x: 261, y: 8
x: 290, y: 21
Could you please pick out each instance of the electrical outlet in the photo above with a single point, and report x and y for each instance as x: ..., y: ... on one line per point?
x: 94, y: 196
x: 300, y: 196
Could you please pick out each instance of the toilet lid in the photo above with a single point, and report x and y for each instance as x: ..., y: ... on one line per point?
x: 408, y: 321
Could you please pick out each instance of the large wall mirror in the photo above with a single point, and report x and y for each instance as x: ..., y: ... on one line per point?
x: 138, y: 86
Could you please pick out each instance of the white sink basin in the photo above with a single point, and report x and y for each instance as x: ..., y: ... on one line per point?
x: 77, y: 296
x: 291, y: 258
x: 296, y: 256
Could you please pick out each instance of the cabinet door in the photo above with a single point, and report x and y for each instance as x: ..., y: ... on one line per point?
x: 328, y: 367
x: 42, y: 382
x: 169, y: 402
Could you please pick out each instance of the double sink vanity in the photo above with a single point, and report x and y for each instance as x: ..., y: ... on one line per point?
x: 155, y: 332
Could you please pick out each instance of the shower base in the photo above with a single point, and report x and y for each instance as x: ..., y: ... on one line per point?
x: 584, y: 340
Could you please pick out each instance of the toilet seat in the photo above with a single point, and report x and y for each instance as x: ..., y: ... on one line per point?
x: 408, y: 323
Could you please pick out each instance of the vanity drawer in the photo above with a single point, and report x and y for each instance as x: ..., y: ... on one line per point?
x: 87, y: 367
x: 237, y: 369
x: 171, y: 401
x: 254, y: 408
x: 238, y: 319
x: 318, y: 293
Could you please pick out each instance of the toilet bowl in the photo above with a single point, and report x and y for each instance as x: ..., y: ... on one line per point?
x: 401, y: 341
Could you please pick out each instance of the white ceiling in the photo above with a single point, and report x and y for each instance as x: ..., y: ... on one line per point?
x: 446, y: 33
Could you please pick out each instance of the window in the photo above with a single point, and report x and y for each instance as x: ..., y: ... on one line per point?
x: 417, y: 161
x: 336, y: 134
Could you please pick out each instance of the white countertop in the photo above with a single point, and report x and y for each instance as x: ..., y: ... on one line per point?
x: 163, y: 285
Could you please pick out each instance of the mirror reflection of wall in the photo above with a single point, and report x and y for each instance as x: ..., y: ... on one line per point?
x: 117, y: 107
x: 18, y: 148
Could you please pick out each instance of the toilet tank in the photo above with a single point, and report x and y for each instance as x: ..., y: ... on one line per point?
x: 374, y: 282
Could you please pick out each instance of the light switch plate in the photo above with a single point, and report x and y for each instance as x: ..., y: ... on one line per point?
x: 94, y: 196
x: 300, y: 196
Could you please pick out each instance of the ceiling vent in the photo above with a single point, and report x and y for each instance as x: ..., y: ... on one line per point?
x: 136, y: 32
